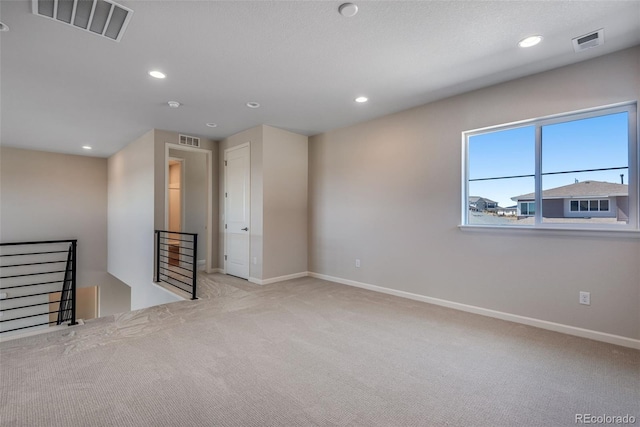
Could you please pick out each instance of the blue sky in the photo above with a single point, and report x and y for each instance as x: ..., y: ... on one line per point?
x: 594, y: 143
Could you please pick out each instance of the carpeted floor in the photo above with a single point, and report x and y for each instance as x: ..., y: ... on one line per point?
x: 310, y: 352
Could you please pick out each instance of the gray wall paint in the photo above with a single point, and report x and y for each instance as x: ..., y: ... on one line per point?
x: 388, y: 192
x: 161, y: 138
x: 285, y: 171
x: 50, y: 196
x: 279, y: 173
x: 131, y: 221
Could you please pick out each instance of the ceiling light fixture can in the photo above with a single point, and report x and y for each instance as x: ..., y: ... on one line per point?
x: 530, y: 41
x: 348, y: 10
x: 157, y: 74
x: 212, y: 125
x: 361, y: 99
x: 253, y: 104
x: 86, y: 147
x: 174, y: 104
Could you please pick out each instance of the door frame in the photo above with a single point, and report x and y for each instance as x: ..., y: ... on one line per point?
x: 182, y: 198
x: 224, y: 231
x: 209, y: 224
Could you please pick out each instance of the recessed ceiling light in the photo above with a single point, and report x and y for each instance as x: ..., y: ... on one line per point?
x: 348, y: 10
x: 174, y: 104
x: 157, y: 74
x: 361, y: 99
x: 212, y: 125
x: 530, y: 41
x: 4, y: 27
x: 86, y: 147
x: 253, y: 105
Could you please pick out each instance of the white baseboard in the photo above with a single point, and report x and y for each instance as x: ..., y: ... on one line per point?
x: 278, y: 279
x: 166, y: 291
x: 538, y: 323
x: 217, y: 270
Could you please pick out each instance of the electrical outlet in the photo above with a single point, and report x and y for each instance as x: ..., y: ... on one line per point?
x: 3, y: 295
x: 357, y: 263
x: 585, y: 298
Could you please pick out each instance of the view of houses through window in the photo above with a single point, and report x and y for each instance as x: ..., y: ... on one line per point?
x: 583, y: 171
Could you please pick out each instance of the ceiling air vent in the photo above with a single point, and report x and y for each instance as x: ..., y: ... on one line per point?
x: 101, y: 17
x: 593, y: 39
x: 191, y: 141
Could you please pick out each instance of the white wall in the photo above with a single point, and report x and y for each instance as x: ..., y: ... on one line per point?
x: 388, y: 192
x: 131, y: 212
x: 51, y: 196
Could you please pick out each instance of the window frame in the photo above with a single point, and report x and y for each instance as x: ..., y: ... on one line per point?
x: 528, y: 203
x: 633, y: 163
x: 590, y: 201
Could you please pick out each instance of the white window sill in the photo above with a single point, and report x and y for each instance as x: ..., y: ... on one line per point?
x: 555, y: 231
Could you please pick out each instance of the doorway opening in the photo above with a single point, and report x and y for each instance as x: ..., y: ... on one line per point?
x: 189, y: 196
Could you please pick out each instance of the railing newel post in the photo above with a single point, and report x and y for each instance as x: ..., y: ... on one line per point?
x: 194, y: 266
x: 74, y: 262
x: 157, y: 236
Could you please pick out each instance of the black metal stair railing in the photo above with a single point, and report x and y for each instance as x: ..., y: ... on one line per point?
x: 176, y: 260
x: 37, y: 284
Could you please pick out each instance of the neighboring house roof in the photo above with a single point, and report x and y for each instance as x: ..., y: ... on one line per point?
x: 580, y: 189
x: 475, y: 199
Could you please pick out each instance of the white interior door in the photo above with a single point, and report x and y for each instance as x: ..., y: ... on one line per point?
x: 237, y: 211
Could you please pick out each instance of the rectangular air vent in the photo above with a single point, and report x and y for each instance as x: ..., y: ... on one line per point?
x: 593, y: 39
x: 191, y: 141
x: 102, y: 17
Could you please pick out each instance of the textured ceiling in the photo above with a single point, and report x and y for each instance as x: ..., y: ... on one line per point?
x: 62, y: 88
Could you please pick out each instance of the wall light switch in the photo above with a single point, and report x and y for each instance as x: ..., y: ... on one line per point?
x: 357, y: 263
x: 255, y: 260
x: 3, y: 295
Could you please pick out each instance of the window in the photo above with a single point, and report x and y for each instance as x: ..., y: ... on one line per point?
x: 590, y: 205
x: 573, y: 170
x: 528, y: 208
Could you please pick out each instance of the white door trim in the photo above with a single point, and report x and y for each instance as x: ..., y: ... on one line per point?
x: 209, y: 155
x: 224, y: 174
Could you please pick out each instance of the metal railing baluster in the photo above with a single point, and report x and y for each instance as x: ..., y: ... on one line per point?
x: 24, y: 298
x: 173, y: 253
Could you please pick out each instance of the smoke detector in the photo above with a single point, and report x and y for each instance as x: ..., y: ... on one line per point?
x: 587, y: 41
x: 174, y: 104
x: 101, y: 17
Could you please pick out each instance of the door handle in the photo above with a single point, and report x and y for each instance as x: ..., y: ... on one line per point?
x: 245, y: 229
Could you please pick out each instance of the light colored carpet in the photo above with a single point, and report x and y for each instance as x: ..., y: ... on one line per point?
x: 310, y: 352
